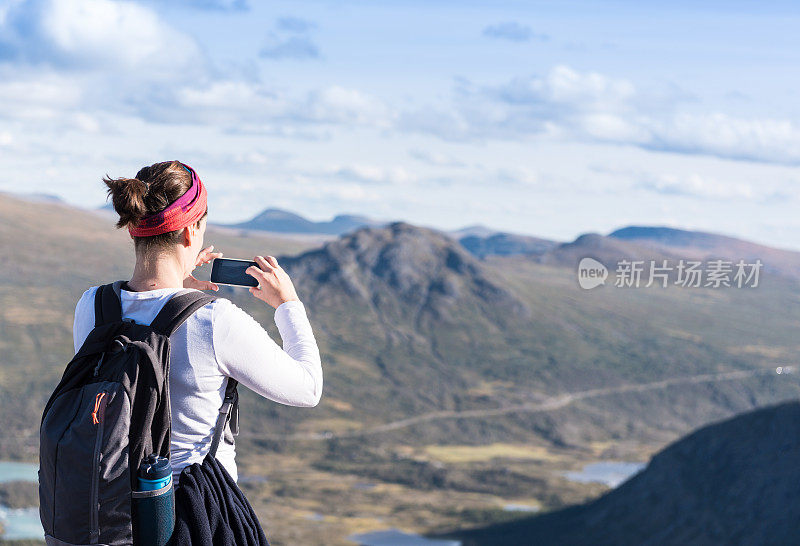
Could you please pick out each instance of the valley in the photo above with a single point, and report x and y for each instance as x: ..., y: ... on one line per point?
x: 455, y: 386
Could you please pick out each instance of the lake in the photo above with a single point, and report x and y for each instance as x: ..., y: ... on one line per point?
x: 20, y: 523
x: 520, y: 508
x: 24, y: 523
x: 12, y: 471
x: 611, y: 473
x: 396, y: 537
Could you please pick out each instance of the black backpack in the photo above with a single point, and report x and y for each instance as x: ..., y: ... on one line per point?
x: 109, y: 411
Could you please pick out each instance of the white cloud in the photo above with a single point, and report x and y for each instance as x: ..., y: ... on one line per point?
x: 588, y: 91
x: 78, y: 63
x: 290, y: 40
x: 37, y: 96
x: 255, y: 107
x: 612, y: 127
x: 230, y: 100
x: 373, y: 174
x: 563, y: 103
x: 336, y: 104
x: 516, y: 176
x: 212, y: 5
x: 512, y: 31
x: 434, y: 158
x: 4, y: 9
x: 294, y: 25
x: 696, y: 185
x: 64, y: 64
x: 73, y: 59
x: 769, y: 140
x: 95, y: 34
x: 293, y: 47
x: 351, y: 193
x: 446, y: 124
x: 570, y: 105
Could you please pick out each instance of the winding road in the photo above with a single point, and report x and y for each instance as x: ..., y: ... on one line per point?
x: 550, y: 404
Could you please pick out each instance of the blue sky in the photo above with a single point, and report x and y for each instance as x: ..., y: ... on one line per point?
x: 546, y: 118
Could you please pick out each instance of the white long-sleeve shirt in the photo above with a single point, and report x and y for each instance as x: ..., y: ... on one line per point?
x: 218, y: 341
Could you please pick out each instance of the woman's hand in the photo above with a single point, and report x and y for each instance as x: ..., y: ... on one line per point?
x: 203, y: 258
x: 275, y: 286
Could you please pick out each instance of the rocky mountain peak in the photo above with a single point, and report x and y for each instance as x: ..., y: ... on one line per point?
x: 421, y: 266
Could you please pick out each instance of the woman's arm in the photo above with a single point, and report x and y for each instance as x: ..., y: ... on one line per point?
x: 246, y: 352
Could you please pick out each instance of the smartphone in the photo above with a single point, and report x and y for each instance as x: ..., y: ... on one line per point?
x: 230, y: 271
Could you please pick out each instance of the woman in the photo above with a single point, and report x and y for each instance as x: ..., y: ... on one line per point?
x: 164, y: 209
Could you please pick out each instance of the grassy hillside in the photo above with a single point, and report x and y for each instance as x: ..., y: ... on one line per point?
x: 728, y: 483
x: 452, y: 385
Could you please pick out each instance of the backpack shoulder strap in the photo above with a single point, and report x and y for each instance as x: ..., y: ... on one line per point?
x: 179, y: 308
x: 107, y: 304
x: 228, y: 414
x: 108, y: 307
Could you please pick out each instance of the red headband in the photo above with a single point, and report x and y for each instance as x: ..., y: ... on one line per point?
x: 185, y: 210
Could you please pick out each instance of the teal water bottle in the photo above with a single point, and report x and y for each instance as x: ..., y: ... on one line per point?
x: 154, y: 502
x: 154, y: 473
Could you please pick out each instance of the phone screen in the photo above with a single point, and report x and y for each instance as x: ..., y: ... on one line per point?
x: 230, y: 271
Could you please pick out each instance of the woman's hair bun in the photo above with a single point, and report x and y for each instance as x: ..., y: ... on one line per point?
x: 127, y: 196
x: 151, y: 191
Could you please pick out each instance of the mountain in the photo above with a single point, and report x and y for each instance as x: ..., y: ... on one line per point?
x: 733, y: 482
x: 35, y: 197
x: 476, y: 230
x: 641, y: 243
x: 412, y: 323
x: 505, y: 244
x: 282, y: 221
x: 415, y: 308
x: 672, y: 237
x: 452, y: 384
x: 706, y: 246
x: 416, y: 268
x: 607, y: 250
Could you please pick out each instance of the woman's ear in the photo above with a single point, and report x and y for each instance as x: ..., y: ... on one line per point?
x: 189, y: 236
x: 192, y: 232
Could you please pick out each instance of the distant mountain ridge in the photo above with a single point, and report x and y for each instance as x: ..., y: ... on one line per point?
x: 605, y: 249
x: 283, y: 221
x: 636, y: 243
x: 506, y: 244
x: 673, y: 237
x: 630, y: 243
x: 701, y: 245
x: 733, y: 482
x: 475, y: 230
x: 36, y: 197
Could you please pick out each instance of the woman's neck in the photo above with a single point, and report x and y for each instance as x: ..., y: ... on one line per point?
x: 152, y: 273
